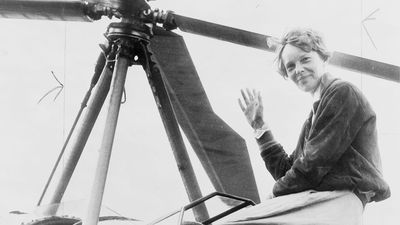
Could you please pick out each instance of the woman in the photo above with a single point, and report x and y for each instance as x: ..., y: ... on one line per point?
x: 336, y: 162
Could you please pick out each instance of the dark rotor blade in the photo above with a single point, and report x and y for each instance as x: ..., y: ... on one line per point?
x: 222, y: 152
x: 259, y: 41
x: 221, y: 32
x: 68, y: 10
x: 367, y: 66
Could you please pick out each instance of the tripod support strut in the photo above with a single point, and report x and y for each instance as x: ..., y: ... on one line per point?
x: 154, y: 75
x: 83, y: 132
x: 119, y: 77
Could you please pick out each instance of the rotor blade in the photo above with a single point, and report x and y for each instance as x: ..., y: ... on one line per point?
x: 367, y: 66
x: 222, y: 152
x: 68, y: 10
x: 221, y: 32
x: 259, y: 41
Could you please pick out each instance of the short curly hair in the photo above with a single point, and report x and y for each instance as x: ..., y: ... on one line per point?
x: 304, y: 38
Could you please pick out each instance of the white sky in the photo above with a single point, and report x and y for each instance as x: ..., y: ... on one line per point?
x: 143, y: 179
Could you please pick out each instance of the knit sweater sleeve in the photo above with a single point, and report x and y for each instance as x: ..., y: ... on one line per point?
x: 275, y: 158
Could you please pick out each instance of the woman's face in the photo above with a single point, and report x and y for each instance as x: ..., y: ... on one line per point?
x: 305, y: 69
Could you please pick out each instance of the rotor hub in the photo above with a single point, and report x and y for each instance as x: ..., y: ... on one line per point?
x: 130, y: 30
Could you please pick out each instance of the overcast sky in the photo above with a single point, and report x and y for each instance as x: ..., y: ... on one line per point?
x: 143, y: 179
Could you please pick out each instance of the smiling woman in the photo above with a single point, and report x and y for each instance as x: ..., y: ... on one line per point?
x: 337, y: 151
x: 305, y: 69
x: 302, y: 57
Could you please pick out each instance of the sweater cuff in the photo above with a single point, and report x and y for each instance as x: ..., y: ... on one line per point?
x: 266, y: 141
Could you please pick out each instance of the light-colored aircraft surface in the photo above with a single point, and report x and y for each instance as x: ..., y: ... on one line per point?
x: 143, y: 181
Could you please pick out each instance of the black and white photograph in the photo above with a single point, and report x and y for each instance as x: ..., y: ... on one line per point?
x: 230, y: 112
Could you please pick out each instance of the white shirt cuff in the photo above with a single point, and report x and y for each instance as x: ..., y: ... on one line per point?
x: 260, y: 131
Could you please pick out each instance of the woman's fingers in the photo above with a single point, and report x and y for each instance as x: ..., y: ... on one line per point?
x: 254, y: 93
x: 251, y: 97
x: 241, y: 105
x: 259, y: 97
x: 245, y: 98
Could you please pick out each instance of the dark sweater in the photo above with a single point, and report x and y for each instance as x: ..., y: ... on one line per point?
x: 338, y: 151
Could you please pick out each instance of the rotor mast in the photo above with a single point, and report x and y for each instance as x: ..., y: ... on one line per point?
x: 127, y: 41
x: 131, y: 38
